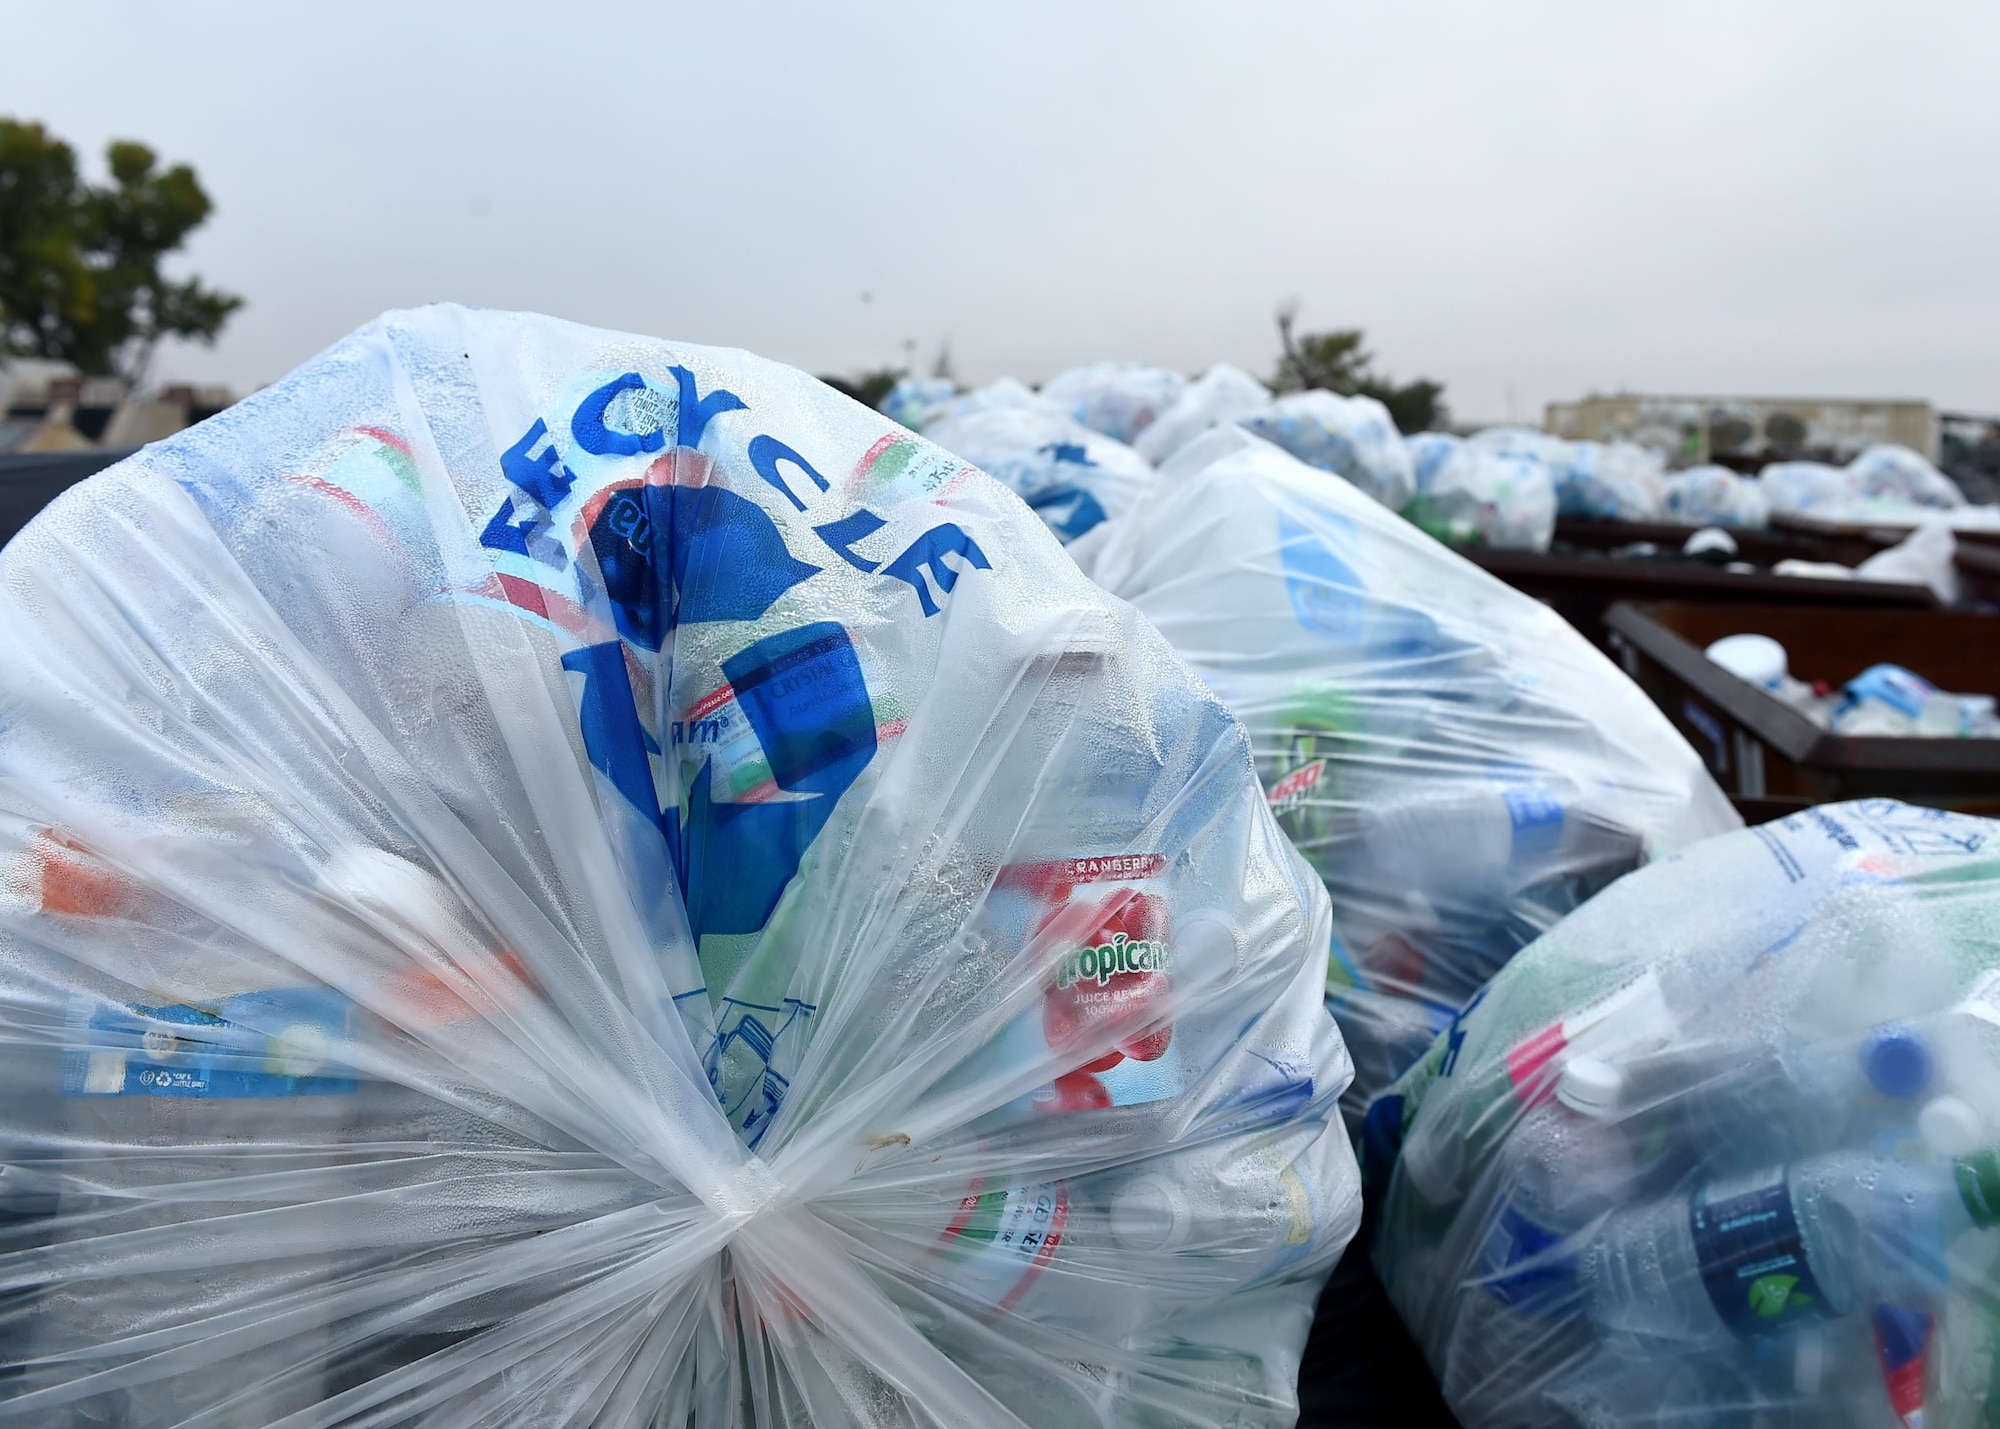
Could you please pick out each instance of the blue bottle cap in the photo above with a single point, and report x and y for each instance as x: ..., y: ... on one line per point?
x: 1896, y: 1061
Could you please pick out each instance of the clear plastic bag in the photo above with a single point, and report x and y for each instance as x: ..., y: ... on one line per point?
x: 1609, y: 481
x: 1221, y: 394
x: 1119, y: 399
x: 918, y: 401
x: 1800, y: 487
x: 1719, y: 1148
x: 1071, y: 477
x: 1887, y: 472
x: 549, y: 877
x: 1714, y: 496
x: 1352, y: 437
x: 1459, y: 765
x: 1468, y: 495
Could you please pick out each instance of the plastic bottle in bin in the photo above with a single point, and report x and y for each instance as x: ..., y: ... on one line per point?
x: 1759, y: 1254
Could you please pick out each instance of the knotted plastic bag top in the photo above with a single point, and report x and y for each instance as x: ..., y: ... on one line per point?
x: 550, y: 877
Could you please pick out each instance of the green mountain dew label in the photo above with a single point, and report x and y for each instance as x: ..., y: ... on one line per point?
x: 1753, y: 1257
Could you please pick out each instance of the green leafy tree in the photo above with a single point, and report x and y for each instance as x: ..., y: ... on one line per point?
x: 80, y: 277
x: 1337, y: 362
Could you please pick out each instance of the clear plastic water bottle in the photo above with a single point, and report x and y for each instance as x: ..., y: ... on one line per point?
x: 1567, y: 1165
x: 1251, y: 1216
x: 1759, y: 1254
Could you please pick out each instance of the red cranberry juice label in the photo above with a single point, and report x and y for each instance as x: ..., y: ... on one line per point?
x: 1106, y: 1014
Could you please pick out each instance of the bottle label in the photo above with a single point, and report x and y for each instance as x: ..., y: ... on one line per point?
x: 1106, y: 1007
x: 264, y: 1044
x: 1000, y: 1241
x: 1753, y: 1258
x: 1525, y: 1267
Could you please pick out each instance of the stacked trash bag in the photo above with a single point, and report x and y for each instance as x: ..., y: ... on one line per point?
x: 1723, y: 1148
x: 1460, y: 766
x: 550, y: 877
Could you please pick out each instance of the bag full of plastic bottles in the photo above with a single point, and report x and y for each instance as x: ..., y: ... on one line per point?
x: 1221, y: 394
x: 1720, y: 1148
x: 1070, y: 476
x: 1468, y: 495
x: 918, y: 401
x: 1119, y: 399
x: 1458, y: 764
x: 1888, y: 472
x: 550, y: 877
x: 1352, y: 437
x: 1609, y: 481
x: 1714, y: 496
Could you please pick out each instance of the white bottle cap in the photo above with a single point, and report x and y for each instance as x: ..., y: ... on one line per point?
x: 1148, y: 1214
x: 1758, y: 659
x: 1590, y: 1087
x: 1952, y: 1126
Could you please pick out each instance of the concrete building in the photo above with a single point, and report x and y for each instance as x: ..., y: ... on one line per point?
x: 1747, y: 431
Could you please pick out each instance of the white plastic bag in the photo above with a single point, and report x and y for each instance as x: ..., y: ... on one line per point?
x: 1719, y: 1149
x: 1071, y: 477
x: 1468, y: 495
x: 1714, y: 496
x: 1616, y: 481
x: 1119, y: 399
x: 1352, y: 437
x: 917, y: 401
x: 1888, y: 472
x: 1221, y: 394
x: 1460, y: 766
x: 1809, y: 487
x: 550, y: 877
x: 1925, y: 557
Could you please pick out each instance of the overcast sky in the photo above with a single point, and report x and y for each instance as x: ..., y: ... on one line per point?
x: 1522, y: 201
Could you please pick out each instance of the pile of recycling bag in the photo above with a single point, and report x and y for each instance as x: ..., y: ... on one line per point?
x: 551, y: 877
x: 558, y: 878
x: 1721, y: 1148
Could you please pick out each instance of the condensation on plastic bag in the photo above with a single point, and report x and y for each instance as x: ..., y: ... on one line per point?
x: 548, y: 877
x: 1071, y: 477
x: 1352, y: 437
x: 1468, y: 495
x: 1460, y: 766
x: 1719, y: 1148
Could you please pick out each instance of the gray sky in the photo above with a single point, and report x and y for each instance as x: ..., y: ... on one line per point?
x: 1522, y: 201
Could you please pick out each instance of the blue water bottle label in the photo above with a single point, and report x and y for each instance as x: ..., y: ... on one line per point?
x: 1753, y: 1257
x: 1528, y: 1266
